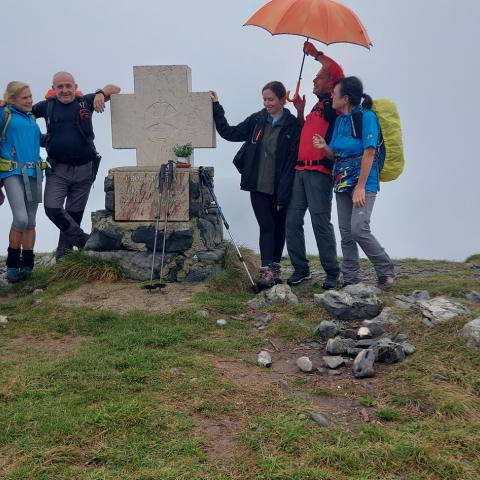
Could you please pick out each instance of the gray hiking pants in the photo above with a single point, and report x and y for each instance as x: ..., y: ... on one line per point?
x: 67, y: 189
x: 312, y: 190
x: 354, y: 224
x: 23, y: 211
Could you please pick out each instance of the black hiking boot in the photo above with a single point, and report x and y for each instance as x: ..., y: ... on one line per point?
x: 299, y: 276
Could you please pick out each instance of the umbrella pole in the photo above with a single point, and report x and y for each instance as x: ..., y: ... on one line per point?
x: 297, y: 88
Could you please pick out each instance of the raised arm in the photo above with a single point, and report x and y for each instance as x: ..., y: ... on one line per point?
x: 103, y: 95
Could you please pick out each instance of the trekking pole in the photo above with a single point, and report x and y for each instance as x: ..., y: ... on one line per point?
x: 170, y: 181
x: 160, y: 184
x: 206, y: 180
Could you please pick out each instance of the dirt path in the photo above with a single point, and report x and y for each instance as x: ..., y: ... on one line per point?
x: 123, y: 297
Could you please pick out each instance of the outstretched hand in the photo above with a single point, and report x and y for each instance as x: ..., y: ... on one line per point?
x: 213, y: 96
x: 318, y: 141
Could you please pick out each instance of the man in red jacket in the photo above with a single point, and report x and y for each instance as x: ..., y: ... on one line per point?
x: 312, y: 187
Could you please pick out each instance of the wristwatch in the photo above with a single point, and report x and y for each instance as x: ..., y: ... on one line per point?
x: 99, y: 90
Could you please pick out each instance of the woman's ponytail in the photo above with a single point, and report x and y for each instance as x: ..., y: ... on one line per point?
x: 367, y: 102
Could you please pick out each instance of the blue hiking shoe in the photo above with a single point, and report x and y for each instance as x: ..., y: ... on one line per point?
x: 14, y: 275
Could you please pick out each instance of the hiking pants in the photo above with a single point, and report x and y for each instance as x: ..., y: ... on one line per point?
x: 23, y: 211
x: 354, y: 224
x: 312, y: 190
x: 66, y: 191
x: 272, y: 227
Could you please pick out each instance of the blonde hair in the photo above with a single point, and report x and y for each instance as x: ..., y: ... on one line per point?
x: 13, y: 90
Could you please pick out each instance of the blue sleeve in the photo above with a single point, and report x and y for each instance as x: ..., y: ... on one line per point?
x: 370, y: 130
x: 334, y: 134
x: 2, y: 115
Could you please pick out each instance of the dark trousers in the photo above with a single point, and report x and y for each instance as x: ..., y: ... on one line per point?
x: 312, y: 190
x: 66, y: 191
x: 272, y: 227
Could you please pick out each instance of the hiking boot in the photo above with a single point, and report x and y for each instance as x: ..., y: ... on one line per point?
x: 76, y: 236
x: 266, y: 278
x: 14, y: 275
x: 277, y: 272
x: 299, y: 277
x: 386, y: 283
x: 330, y: 283
x: 27, y: 263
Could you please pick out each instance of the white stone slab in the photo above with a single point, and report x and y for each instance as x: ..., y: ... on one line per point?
x: 161, y: 113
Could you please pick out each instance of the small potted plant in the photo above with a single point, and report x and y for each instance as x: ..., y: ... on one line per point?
x: 183, y: 153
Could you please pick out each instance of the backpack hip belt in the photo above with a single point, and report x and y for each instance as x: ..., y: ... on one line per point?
x: 39, y: 165
x: 9, y: 165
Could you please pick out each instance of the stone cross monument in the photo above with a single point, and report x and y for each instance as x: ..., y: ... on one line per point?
x: 161, y: 113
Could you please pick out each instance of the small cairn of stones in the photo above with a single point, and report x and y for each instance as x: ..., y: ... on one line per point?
x: 365, y: 337
x: 362, y: 327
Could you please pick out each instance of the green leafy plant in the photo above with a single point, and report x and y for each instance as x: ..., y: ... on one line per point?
x: 183, y: 151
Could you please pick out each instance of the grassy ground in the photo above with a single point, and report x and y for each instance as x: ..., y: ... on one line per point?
x: 88, y: 394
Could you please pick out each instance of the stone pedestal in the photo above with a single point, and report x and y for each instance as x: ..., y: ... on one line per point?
x: 194, y: 247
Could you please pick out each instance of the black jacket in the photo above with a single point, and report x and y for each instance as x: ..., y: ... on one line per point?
x: 250, y: 131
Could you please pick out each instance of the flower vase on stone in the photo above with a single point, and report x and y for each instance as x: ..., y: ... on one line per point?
x: 183, y: 153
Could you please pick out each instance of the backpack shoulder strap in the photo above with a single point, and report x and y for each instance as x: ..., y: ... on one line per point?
x: 7, y: 116
x: 357, y: 124
x: 49, y: 112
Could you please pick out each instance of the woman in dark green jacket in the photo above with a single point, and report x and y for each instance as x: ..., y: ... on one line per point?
x: 266, y: 164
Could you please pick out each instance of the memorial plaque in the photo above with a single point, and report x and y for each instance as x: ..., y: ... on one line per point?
x: 137, y: 196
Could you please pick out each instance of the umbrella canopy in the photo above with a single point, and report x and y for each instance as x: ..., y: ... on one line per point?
x: 327, y: 21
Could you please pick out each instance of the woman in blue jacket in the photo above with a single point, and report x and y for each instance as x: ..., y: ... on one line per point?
x: 266, y: 164
x: 20, y: 171
x: 355, y: 142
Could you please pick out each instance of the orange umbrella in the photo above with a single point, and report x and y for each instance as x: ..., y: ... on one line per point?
x: 327, y: 21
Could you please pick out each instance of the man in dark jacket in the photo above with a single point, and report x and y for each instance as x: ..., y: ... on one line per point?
x: 72, y: 155
x: 312, y: 186
x: 265, y: 163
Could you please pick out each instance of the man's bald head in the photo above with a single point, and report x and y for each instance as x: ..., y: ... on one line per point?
x: 64, y: 86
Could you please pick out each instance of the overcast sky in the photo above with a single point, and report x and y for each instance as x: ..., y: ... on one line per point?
x: 424, y: 57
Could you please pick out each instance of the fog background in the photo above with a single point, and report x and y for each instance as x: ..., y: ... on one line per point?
x: 424, y: 58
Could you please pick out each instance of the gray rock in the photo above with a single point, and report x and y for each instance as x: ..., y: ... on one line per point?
x: 203, y: 313
x: 351, y: 303
x: 349, y: 333
x: 283, y: 385
x: 104, y: 240
x: 338, y: 345
x: 326, y: 329
x: 257, y: 303
x: 221, y: 322
x: 333, y: 362
x: 38, y: 291
x: 471, y: 333
x: 440, y: 376
x: 47, y: 260
x: 387, y: 351
x: 439, y: 310
x: 365, y: 343
x: 3, y: 320
x: 333, y: 373
x: 473, y: 296
x: 264, y: 359
x: 262, y: 319
x: 352, y: 352
x: 319, y: 418
x: 400, y: 338
x: 363, y: 364
x: 281, y: 293
x: 387, y: 317
x: 408, y: 348
x: 405, y: 303
x: 419, y: 295
x: 304, y: 364
x: 375, y: 327
x: 198, y: 273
